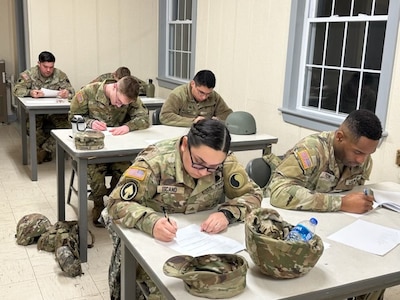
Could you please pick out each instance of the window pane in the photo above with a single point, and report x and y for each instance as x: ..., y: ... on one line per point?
x: 178, y: 38
x: 171, y: 63
x: 342, y: 7
x: 354, y: 45
x: 186, y: 65
x: 312, y: 88
x: 324, y: 8
x: 362, y: 7
x: 375, y: 41
x: 335, y: 41
x: 318, y: 36
x: 174, y: 10
x: 186, y: 37
x: 188, y: 13
x: 354, y: 96
x: 329, y: 90
x: 381, y: 7
x: 178, y: 65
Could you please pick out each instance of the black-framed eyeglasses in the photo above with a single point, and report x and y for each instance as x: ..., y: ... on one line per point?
x: 204, y: 94
x: 198, y: 166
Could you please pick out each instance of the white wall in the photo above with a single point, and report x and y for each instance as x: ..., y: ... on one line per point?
x: 243, y: 42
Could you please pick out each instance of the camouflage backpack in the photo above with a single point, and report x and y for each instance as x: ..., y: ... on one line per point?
x: 63, y: 239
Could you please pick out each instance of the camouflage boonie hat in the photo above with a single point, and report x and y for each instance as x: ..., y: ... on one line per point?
x: 30, y: 228
x: 265, y: 233
x: 212, y: 276
x: 89, y: 140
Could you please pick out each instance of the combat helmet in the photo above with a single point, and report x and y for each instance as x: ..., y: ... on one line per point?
x: 241, y: 122
x: 212, y: 276
x: 265, y: 233
x: 30, y: 228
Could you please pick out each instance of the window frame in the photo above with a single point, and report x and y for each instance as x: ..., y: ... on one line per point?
x: 164, y: 80
x: 297, y: 41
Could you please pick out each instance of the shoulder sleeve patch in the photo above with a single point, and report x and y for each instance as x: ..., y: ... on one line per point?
x: 79, y: 97
x: 136, y: 173
x: 305, y: 159
x: 129, y: 190
x: 25, y: 76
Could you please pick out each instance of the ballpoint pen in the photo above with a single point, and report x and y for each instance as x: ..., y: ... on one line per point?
x: 166, y: 214
x: 366, y: 192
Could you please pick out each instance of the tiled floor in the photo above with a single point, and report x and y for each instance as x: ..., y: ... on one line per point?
x: 26, y: 273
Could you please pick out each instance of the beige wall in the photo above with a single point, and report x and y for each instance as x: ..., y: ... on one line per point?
x: 243, y: 42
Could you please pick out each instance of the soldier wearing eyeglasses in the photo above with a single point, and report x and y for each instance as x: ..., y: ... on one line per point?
x: 192, y: 173
x: 194, y: 101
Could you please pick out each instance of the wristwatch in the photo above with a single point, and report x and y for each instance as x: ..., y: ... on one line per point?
x: 229, y: 216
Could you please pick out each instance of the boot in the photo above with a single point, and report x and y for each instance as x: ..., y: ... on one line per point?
x: 96, y: 212
x: 41, y: 156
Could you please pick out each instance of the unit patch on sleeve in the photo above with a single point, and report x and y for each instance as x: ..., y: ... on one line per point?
x: 236, y: 180
x: 129, y: 190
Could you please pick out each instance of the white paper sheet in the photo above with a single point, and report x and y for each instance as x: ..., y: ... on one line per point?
x: 49, y: 93
x: 190, y: 240
x: 366, y: 236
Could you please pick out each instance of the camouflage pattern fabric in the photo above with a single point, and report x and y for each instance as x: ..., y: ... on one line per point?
x: 213, y: 276
x: 89, y: 140
x: 68, y: 261
x: 309, y: 174
x: 32, y: 79
x: 92, y: 103
x: 265, y: 233
x: 142, y: 84
x: 30, y: 228
x: 180, y: 108
x: 157, y: 178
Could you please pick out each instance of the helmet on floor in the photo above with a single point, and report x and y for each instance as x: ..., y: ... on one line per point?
x: 30, y: 228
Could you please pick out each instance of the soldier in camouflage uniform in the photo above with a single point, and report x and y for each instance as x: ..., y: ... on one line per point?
x: 194, y: 101
x: 29, y: 83
x: 328, y: 162
x: 109, y: 104
x: 181, y: 175
x: 118, y: 74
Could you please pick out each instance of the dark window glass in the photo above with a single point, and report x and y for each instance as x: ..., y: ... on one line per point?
x: 335, y: 41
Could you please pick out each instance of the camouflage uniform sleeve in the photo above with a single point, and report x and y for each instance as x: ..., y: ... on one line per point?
x: 170, y: 111
x: 23, y: 85
x: 64, y: 83
x: 80, y: 105
x: 126, y: 204
x: 244, y: 194
x: 292, y: 187
x: 139, y: 116
x: 222, y: 110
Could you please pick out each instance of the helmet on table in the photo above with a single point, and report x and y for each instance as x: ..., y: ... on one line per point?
x: 241, y: 122
x: 265, y: 233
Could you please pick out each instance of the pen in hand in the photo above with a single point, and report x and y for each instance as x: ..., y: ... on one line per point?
x: 166, y: 214
x: 366, y: 192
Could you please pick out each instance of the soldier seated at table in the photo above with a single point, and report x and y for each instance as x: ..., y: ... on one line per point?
x: 29, y: 84
x: 109, y: 104
x: 194, y: 101
x: 187, y: 174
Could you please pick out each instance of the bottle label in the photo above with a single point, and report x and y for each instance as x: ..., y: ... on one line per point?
x: 303, y: 231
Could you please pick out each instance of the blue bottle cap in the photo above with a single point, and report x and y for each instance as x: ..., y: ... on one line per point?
x: 313, y: 221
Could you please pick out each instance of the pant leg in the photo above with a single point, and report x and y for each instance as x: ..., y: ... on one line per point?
x: 96, y: 178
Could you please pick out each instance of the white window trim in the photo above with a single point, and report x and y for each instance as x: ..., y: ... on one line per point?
x: 164, y: 80
x: 310, y: 118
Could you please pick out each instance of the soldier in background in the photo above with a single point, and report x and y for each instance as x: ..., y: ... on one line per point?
x: 109, y: 104
x: 29, y: 83
x: 328, y: 162
x: 181, y: 175
x: 118, y: 74
x: 194, y: 101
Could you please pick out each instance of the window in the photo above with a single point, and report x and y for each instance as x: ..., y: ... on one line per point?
x: 176, y: 41
x: 340, y: 58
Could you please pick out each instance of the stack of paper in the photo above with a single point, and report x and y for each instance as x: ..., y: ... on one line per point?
x: 388, y: 199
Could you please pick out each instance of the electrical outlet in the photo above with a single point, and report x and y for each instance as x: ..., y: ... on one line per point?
x: 398, y: 158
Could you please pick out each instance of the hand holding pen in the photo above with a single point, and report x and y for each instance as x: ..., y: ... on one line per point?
x: 165, y: 228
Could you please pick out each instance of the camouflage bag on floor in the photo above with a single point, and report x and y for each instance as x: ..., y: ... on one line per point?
x: 63, y: 239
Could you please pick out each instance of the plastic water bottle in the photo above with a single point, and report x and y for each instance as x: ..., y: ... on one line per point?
x: 303, y: 231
